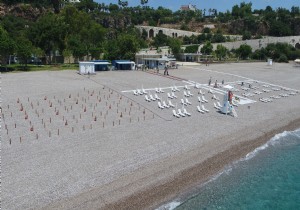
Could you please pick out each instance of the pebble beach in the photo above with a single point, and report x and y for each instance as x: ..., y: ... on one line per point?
x: 71, y: 141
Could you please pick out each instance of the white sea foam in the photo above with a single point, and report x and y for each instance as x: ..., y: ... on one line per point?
x: 169, y: 206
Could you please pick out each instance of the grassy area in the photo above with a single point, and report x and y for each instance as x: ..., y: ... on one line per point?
x: 31, y: 67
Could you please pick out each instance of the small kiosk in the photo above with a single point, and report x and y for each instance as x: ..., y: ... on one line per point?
x: 86, y: 67
x: 101, y: 65
x: 123, y: 65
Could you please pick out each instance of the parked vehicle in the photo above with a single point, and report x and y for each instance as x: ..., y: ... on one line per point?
x: 12, y: 59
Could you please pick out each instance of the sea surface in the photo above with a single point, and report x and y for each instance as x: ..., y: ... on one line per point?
x: 267, y: 178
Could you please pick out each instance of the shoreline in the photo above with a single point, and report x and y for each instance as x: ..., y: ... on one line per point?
x: 191, y: 179
x: 143, y: 157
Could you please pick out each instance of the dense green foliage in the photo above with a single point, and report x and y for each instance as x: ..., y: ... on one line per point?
x: 93, y: 30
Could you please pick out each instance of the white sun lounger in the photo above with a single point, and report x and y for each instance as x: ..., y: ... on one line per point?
x: 144, y: 91
x: 173, y: 89
x: 197, y: 86
x: 170, y: 96
x: 183, y: 102
x: 187, y: 101
x: 173, y: 94
x: 200, y: 110
x: 202, y: 93
x: 157, y: 90
x: 188, y: 92
x: 217, y: 107
x: 204, y: 109
x: 180, y: 113
x: 177, y: 89
x: 186, y: 87
x: 215, y: 97
x: 185, y: 112
x: 200, y: 100
x: 203, y: 99
x: 165, y: 105
x: 147, y: 99
x: 170, y: 104
x: 135, y: 92
x: 156, y: 97
x: 160, y: 106
x: 175, y: 114
x: 139, y: 92
x: 151, y: 97
x: 161, y: 91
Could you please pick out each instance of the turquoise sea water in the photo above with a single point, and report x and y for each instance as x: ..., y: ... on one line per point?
x: 268, y: 178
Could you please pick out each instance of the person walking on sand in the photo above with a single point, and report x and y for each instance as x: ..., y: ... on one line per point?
x: 209, y: 81
x: 166, y: 71
x: 216, y: 84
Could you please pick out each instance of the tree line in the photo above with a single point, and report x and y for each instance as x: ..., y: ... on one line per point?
x: 104, y: 31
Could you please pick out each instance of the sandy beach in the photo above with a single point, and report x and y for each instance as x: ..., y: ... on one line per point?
x: 87, y: 142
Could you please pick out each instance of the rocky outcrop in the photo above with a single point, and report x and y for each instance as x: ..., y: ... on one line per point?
x: 25, y: 11
x: 115, y: 22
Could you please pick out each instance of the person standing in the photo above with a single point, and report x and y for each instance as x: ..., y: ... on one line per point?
x: 166, y: 71
x: 209, y: 81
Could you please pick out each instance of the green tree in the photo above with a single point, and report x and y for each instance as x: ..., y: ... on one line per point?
x: 160, y: 40
x: 207, y: 48
x: 124, y: 47
x: 244, y: 51
x: 218, y: 37
x: 7, y: 46
x: 24, y: 50
x: 175, y: 46
x: 246, y: 35
x: 48, y: 33
x: 191, y: 49
x: 221, y: 52
x: 67, y: 54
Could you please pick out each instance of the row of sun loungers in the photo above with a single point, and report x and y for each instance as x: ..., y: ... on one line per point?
x: 218, y: 105
x: 163, y: 104
x: 216, y: 98
x: 248, y: 94
x: 265, y: 100
x: 159, y: 90
x: 284, y: 95
x: 187, y: 94
x: 171, y: 95
x: 139, y: 92
x: 185, y: 102
x: 151, y: 98
x: 202, y: 99
x: 202, y: 109
x: 275, y: 97
x: 186, y: 87
x: 257, y: 92
x: 180, y: 113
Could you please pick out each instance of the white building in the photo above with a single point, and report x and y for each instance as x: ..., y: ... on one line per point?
x: 189, y: 7
x: 86, y: 67
x: 74, y: 1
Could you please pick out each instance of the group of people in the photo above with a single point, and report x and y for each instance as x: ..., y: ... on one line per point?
x: 216, y: 82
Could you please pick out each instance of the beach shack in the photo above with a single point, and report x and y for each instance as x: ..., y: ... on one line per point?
x: 123, y: 65
x: 86, y: 67
x: 159, y: 63
x: 101, y: 65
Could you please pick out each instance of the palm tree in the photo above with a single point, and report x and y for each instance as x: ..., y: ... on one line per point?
x: 209, y: 11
